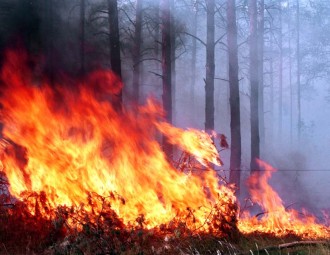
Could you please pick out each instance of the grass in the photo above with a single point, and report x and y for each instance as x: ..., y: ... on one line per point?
x: 261, y: 244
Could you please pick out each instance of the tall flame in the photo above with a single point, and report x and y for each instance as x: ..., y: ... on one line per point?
x: 276, y: 219
x: 73, y: 143
x: 67, y: 142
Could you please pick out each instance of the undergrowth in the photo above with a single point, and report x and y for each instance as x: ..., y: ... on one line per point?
x: 75, y: 231
x: 31, y: 226
x: 95, y: 229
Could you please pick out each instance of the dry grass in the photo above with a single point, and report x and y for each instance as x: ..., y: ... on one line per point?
x: 68, y: 231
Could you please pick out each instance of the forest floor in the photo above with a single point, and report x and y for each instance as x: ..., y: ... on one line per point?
x: 89, y: 241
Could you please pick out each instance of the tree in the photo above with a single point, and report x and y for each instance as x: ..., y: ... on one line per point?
x: 261, y: 32
x: 137, y: 50
x: 298, y: 68
x: 234, y: 101
x: 290, y: 75
x: 166, y: 69
x: 210, y: 66
x: 114, y: 47
x: 173, y: 51
x: 82, y: 36
x: 193, y: 60
x: 254, y: 85
x: 280, y: 46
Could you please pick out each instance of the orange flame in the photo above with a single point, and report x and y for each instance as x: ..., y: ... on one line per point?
x: 68, y: 143
x: 276, y: 218
x: 73, y: 143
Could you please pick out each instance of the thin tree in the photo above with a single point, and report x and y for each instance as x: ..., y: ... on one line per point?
x: 82, y: 36
x: 280, y: 46
x: 193, y: 61
x: 173, y: 62
x: 271, y: 80
x: 290, y: 75
x: 49, y: 40
x: 210, y: 66
x: 137, y: 50
x: 298, y: 68
x: 114, y: 46
x: 166, y: 69
x: 234, y: 100
x: 254, y: 84
x: 261, y: 32
x: 156, y: 31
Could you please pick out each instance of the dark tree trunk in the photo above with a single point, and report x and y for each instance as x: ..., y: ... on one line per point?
x: 82, y: 36
x: 137, y: 51
x: 166, y: 68
x: 261, y: 24
x: 210, y: 67
x: 253, y: 45
x: 156, y: 32
x: 234, y: 100
x: 114, y: 48
x: 173, y: 72
x: 49, y: 40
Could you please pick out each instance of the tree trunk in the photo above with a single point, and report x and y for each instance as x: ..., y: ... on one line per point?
x: 137, y: 51
x: 271, y: 78
x: 82, y: 37
x: 261, y: 24
x: 157, y: 33
x: 210, y: 67
x: 193, y: 66
x: 166, y: 68
x: 280, y: 101
x: 114, y: 48
x: 298, y: 70
x: 234, y: 100
x: 49, y: 43
x: 173, y: 73
x: 290, y: 78
x: 271, y: 67
x: 254, y: 118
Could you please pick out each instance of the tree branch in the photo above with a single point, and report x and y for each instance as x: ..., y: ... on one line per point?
x: 157, y: 74
x: 193, y: 36
x: 219, y: 39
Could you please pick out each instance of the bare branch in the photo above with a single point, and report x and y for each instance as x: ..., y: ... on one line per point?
x: 157, y: 74
x: 193, y: 36
x: 219, y: 39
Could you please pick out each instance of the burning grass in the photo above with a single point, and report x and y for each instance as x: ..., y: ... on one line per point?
x: 77, y: 231
x: 95, y: 228
x: 81, y: 178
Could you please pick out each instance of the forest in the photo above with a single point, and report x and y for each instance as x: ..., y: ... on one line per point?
x: 101, y: 96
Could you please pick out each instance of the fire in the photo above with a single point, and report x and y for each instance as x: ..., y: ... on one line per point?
x: 276, y: 218
x: 69, y: 143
